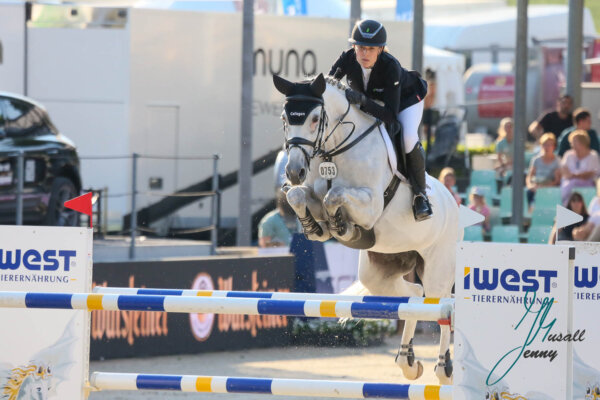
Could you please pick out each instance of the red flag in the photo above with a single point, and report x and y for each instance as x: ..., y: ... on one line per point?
x: 82, y: 204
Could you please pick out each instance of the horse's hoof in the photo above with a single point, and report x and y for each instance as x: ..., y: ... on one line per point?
x: 442, y: 377
x: 411, y: 372
x: 444, y: 369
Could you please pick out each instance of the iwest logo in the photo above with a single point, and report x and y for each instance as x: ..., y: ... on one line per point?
x: 509, y: 279
x: 586, y: 277
x: 33, y: 260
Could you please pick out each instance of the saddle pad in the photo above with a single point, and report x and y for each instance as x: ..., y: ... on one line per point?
x: 392, y: 157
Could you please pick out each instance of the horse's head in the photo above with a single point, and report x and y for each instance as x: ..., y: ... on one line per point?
x: 35, y: 388
x: 304, y: 122
x: 32, y: 382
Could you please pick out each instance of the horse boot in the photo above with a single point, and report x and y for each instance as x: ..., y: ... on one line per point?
x: 415, y: 165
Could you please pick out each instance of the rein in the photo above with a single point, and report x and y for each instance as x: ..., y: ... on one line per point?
x: 319, y: 142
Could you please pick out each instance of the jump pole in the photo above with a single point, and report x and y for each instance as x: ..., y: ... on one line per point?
x: 441, y: 313
x: 281, y: 387
x: 272, y: 295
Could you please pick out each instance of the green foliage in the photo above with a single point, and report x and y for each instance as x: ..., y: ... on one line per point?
x: 592, y: 5
x: 328, y: 332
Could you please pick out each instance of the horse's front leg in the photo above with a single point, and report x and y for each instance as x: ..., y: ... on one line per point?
x: 310, y: 212
x: 348, y: 206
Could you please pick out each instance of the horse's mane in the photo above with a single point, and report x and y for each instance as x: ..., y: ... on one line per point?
x: 15, y: 381
x: 336, y: 83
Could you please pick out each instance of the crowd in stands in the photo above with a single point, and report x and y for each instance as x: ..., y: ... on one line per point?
x: 565, y: 170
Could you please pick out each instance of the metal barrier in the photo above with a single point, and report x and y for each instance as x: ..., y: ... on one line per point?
x: 101, y: 196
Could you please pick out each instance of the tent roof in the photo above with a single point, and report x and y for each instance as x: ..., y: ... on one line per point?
x: 485, y: 28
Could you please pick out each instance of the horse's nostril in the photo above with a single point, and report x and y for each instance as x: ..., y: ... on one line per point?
x: 302, y: 174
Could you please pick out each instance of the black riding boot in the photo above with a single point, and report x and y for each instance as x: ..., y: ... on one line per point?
x: 415, y: 161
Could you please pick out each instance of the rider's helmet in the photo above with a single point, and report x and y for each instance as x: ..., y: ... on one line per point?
x: 368, y: 32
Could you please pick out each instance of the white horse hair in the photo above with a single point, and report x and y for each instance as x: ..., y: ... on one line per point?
x: 354, y: 204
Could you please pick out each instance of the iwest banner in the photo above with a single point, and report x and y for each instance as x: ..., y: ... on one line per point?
x: 513, y: 315
x: 116, y: 334
x: 44, y: 351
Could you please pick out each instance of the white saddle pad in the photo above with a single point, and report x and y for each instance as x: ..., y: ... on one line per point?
x: 392, y: 159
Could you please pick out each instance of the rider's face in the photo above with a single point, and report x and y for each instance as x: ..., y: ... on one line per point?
x: 367, y: 55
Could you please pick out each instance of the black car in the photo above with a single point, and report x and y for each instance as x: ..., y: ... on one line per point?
x: 51, y: 166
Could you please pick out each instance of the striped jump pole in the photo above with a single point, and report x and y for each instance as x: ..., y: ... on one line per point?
x: 281, y: 387
x: 442, y: 313
x: 272, y: 295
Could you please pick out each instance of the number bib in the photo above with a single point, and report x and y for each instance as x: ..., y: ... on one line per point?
x: 327, y: 170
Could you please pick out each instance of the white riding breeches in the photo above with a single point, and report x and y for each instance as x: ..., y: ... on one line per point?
x: 410, y: 118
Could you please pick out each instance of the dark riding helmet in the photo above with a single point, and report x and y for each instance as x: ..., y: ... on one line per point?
x: 368, y: 33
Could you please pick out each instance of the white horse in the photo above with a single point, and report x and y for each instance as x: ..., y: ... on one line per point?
x: 347, y: 202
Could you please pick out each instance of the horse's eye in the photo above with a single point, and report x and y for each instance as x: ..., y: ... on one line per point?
x: 315, y: 119
x: 48, y: 370
x: 40, y: 370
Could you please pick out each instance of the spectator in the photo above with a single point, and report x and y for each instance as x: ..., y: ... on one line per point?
x: 590, y: 230
x: 277, y: 227
x: 582, y: 120
x: 504, y: 146
x: 575, y: 203
x: 477, y: 203
x: 448, y: 178
x: 580, y: 165
x: 554, y: 121
x: 544, y: 170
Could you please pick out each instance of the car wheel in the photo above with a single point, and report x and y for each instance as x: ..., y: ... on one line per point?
x: 58, y: 215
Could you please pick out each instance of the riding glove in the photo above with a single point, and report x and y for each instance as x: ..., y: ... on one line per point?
x: 355, y: 97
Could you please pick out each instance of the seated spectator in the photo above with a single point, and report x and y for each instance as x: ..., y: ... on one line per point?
x: 582, y: 120
x: 544, y: 170
x: 477, y: 203
x: 554, y: 121
x: 580, y: 165
x: 277, y: 227
x: 590, y: 230
x: 504, y: 146
x: 576, y: 204
x: 448, y: 178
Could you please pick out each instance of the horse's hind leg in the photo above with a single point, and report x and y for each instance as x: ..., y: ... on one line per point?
x: 383, y: 275
x: 405, y: 359
x: 438, y: 278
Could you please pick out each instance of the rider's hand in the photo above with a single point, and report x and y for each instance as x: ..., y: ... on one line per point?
x: 355, y: 97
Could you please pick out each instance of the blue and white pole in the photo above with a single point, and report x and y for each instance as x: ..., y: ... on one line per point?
x: 440, y: 313
x: 272, y: 295
x: 281, y: 387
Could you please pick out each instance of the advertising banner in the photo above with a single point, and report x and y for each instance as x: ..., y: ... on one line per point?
x: 586, y: 307
x: 512, y: 319
x: 37, y: 353
x: 116, y: 334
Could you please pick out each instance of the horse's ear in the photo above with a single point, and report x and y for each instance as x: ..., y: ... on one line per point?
x: 284, y: 86
x: 317, y: 86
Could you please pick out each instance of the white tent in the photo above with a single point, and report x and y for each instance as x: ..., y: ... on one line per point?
x: 449, y: 68
x: 497, y: 26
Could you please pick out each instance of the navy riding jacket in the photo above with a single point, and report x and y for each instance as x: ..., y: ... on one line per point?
x: 389, y: 82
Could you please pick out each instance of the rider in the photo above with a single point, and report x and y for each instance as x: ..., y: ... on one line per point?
x: 374, y: 74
